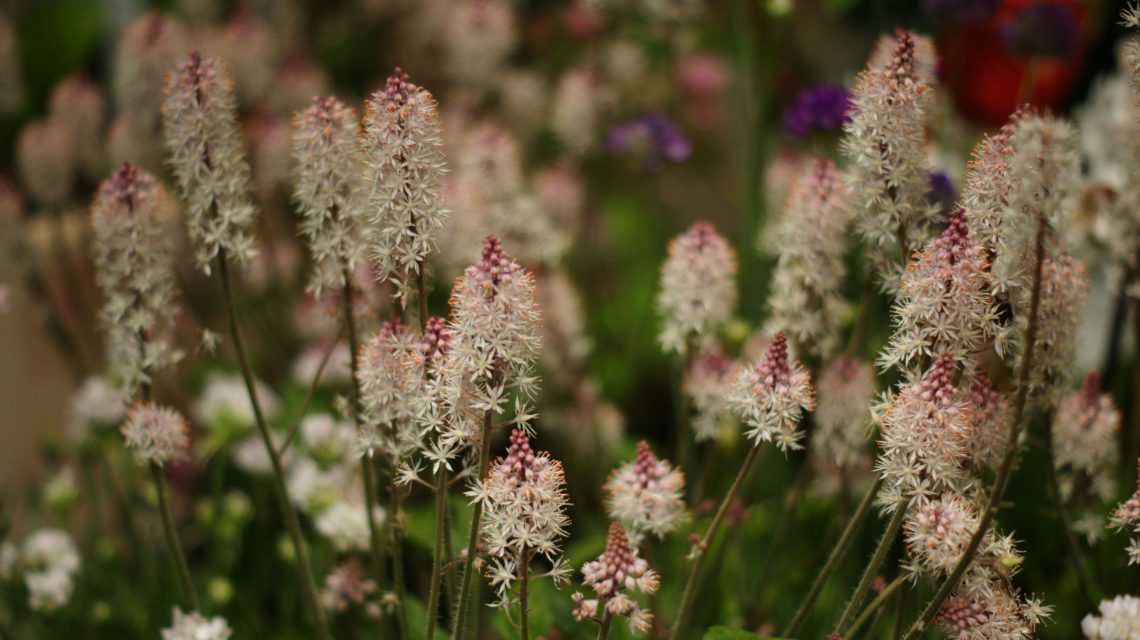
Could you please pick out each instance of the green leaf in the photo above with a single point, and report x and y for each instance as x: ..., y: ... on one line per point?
x: 729, y: 633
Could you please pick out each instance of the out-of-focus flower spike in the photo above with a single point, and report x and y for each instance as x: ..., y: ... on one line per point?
x: 78, y: 104
x: 45, y: 153
x: 646, y: 495
x: 698, y: 287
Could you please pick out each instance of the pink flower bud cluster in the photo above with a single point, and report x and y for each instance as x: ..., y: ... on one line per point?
x: 614, y: 576
x: 156, y: 434
x: 647, y: 495
x: 771, y: 395
x: 698, y: 291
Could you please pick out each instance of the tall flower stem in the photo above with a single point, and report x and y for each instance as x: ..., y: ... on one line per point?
x: 1011, y: 446
x: 874, y: 606
x: 838, y: 552
x: 872, y: 568
x: 1062, y: 514
x: 607, y: 622
x: 524, y: 594
x: 172, y: 541
x: 397, y: 532
x: 308, y: 584
x: 463, y: 603
x: 437, y: 551
x: 702, y: 547
x: 365, y: 460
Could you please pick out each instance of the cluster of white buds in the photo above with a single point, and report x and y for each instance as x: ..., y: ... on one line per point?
x: 806, y: 296
x: 1064, y: 290
x: 195, y: 626
x: 49, y: 560
x: 937, y: 532
x: 1001, y: 614
x: 496, y: 340
x: 1042, y: 172
x: 615, y: 574
x: 524, y: 513
x: 990, y: 410
x: 646, y: 495
x: 206, y: 157
x: 944, y: 303
x: 134, y: 268
x: 1085, y: 428
x: 403, y: 152
x: 1127, y: 516
x: 771, y: 395
x: 885, y: 146
x: 698, y: 291
x: 156, y: 434
x: 707, y: 383
x: 924, y: 437
x: 838, y: 449
x: 1118, y: 619
x: 387, y: 382
x: 329, y: 191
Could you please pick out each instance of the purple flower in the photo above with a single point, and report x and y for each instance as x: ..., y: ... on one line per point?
x: 1043, y: 30
x: 942, y: 191
x: 652, y: 137
x: 960, y: 11
x: 820, y: 108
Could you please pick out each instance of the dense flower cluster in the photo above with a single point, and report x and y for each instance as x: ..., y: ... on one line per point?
x: 806, y: 297
x: 707, y: 382
x: 156, y: 434
x: 938, y: 531
x: 206, y: 157
x: 999, y: 615
x: 924, y: 437
x: 134, y: 260
x: 195, y: 626
x: 1127, y: 516
x: 612, y: 576
x: 990, y: 412
x: 1085, y: 429
x: 524, y: 512
x: 1119, y: 619
x: 771, y: 395
x: 1064, y: 289
x: 49, y: 560
x: 698, y: 287
x: 329, y: 190
x: 944, y: 303
x: 386, y: 385
x: 403, y: 149
x: 647, y: 495
x: 888, y: 170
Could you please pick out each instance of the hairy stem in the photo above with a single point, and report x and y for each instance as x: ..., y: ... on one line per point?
x: 872, y: 568
x: 874, y: 606
x: 463, y: 603
x: 702, y: 547
x: 437, y: 551
x: 1011, y: 446
x: 838, y: 552
x: 308, y: 584
x: 173, y: 544
x: 365, y: 460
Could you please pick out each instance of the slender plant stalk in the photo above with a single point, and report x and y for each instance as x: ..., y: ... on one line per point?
x: 838, y: 552
x: 1006, y: 469
x: 524, y: 594
x: 397, y: 528
x: 784, y: 524
x: 1062, y: 514
x: 308, y: 584
x: 365, y: 460
x: 874, y: 606
x: 173, y: 544
x: 684, y: 408
x: 702, y: 548
x: 437, y: 551
x: 312, y: 390
x: 872, y: 568
x: 421, y: 288
x: 463, y: 603
x: 607, y: 622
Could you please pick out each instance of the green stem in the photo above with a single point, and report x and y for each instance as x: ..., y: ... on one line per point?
x: 837, y: 554
x: 437, y: 551
x: 872, y: 568
x: 1011, y: 445
x: 397, y: 528
x: 524, y: 594
x: 173, y: 544
x: 607, y: 622
x: 308, y: 584
x: 875, y: 604
x: 365, y: 460
x: 463, y: 603
x: 702, y: 547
